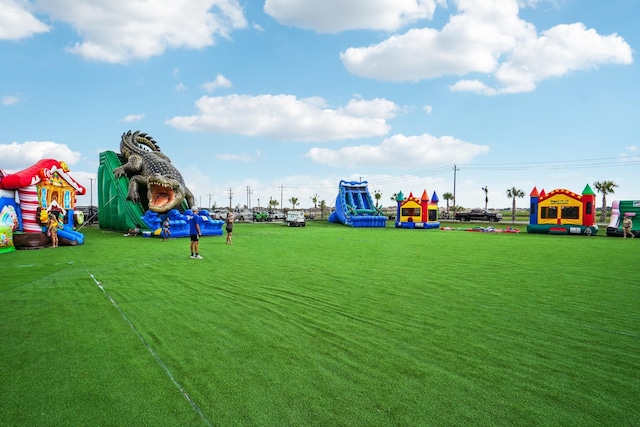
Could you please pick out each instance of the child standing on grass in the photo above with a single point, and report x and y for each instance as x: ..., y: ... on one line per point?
x: 52, y: 229
x: 626, y: 227
x: 165, y: 229
x: 194, y: 230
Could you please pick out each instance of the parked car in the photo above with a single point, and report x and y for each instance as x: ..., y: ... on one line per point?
x: 479, y: 215
x: 295, y: 219
x: 275, y: 215
x: 309, y: 215
x: 243, y: 214
x: 219, y: 214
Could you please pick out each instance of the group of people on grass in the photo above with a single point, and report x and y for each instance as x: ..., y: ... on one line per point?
x: 194, y: 230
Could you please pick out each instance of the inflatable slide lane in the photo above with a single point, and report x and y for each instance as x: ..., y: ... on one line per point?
x: 355, y: 207
x: 115, y: 211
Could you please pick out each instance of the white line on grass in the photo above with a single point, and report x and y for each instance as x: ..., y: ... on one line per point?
x: 148, y: 347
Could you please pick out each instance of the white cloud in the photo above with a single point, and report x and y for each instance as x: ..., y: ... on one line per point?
x: 121, y: 31
x: 243, y: 157
x: 556, y: 52
x: 181, y: 87
x: 428, y: 109
x: 133, y: 118
x: 20, y: 156
x: 220, y: 81
x: 332, y: 16
x: 472, y: 86
x: 286, y: 117
x: 17, y: 22
x: 10, y: 100
x: 487, y: 37
x: 401, y: 151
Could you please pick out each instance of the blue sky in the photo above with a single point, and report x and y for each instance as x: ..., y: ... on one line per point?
x: 288, y: 97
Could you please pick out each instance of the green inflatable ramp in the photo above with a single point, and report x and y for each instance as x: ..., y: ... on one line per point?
x: 115, y: 211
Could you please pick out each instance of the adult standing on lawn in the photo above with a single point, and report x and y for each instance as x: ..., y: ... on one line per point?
x: 229, y: 221
x: 194, y: 229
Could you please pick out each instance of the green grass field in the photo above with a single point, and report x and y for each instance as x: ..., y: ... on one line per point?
x: 323, y: 326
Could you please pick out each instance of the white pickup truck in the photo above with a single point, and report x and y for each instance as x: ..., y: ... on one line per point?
x: 295, y: 219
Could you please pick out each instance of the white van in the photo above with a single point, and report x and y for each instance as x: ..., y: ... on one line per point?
x: 295, y: 219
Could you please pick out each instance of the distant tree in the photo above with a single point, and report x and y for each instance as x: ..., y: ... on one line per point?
x: 323, y: 206
x: 448, y: 197
x: 604, y: 187
x: 394, y: 197
x: 512, y: 193
x: 273, y: 203
x: 377, y: 194
x: 294, y: 202
x: 314, y: 199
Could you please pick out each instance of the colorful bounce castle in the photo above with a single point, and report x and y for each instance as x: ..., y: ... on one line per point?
x: 355, y: 207
x: 563, y: 212
x: 28, y: 199
x: 621, y: 209
x: 417, y: 213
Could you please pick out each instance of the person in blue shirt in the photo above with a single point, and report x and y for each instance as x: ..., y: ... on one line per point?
x: 194, y: 229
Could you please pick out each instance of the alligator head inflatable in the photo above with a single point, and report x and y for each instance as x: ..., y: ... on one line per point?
x: 148, y: 168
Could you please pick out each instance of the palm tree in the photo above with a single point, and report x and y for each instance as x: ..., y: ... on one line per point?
x: 273, y: 203
x: 293, y: 201
x: 512, y: 193
x: 314, y: 199
x: 604, y: 187
x: 448, y: 197
x: 394, y: 197
x: 323, y: 206
x: 377, y: 194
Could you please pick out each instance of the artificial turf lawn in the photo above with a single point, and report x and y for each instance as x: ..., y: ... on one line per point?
x: 323, y: 325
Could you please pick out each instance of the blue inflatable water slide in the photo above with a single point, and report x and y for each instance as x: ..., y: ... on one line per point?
x: 355, y: 207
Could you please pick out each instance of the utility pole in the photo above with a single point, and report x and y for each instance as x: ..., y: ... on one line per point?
x: 455, y: 206
x: 91, y: 202
x: 486, y: 196
x: 281, y: 193
x: 230, y: 198
x: 209, y: 207
x: 249, y: 193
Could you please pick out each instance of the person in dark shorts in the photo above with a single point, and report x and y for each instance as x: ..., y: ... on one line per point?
x: 229, y: 227
x: 166, y: 232
x: 194, y: 230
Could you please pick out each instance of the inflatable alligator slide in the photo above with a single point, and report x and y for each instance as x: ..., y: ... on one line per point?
x: 118, y: 213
